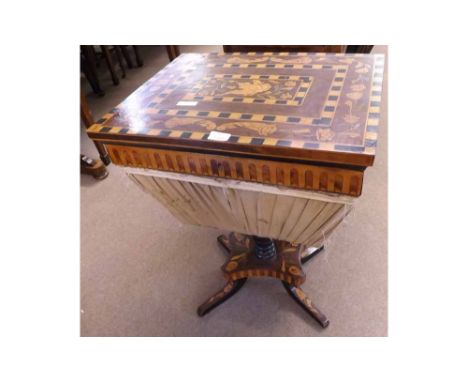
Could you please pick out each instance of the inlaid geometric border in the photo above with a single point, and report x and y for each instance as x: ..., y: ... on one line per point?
x: 197, y: 135
x: 375, y: 100
x: 370, y: 139
x: 327, y: 112
x: 324, y: 120
x: 304, y: 86
x: 165, y: 89
x: 295, y: 54
x: 302, y: 176
x: 274, y: 66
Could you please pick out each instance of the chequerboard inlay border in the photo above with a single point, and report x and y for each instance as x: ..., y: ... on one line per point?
x: 324, y: 122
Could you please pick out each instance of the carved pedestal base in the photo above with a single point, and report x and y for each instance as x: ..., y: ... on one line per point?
x: 259, y: 257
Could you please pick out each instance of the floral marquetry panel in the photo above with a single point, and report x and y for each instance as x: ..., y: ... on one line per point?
x: 261, y: 89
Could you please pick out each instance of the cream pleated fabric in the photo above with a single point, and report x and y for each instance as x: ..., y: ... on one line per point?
x: 297, y: 216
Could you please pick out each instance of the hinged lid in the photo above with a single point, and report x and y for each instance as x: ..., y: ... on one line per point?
x: 292, y: 106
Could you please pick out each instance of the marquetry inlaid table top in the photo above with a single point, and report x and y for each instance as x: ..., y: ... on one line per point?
x: 317, y: 108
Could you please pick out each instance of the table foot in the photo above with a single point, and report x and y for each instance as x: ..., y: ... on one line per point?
x: 301, y: 298
x: 93, y: 167
x: 308, y: 257
x: 224, y: 241
x: 231, y: 288
x: 251, y: 256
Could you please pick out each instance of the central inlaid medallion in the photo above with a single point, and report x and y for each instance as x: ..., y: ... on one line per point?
x: 254, y: 88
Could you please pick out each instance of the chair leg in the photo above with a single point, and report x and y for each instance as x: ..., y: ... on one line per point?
x: 88, y: 66
x: 118, y: 53
x: 110, y: 64
x: 172, y: 51
x: 231, y: 288
x: 138, y: 58
x: 126, y: 55
x: 301, y: 298
x: 96, y: 59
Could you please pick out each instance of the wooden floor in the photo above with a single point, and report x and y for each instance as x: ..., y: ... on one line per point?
x: 144, y: 274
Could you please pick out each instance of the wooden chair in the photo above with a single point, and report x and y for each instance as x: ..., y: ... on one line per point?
x: 299, y: 48
x: 88, y: 67
x: 285, y: 48
x: 90, y: 60
x: 88, y: 120
x: 106, y: 53
x: 172, y: 51
x: 359, y: 48
x: 127, y: 55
